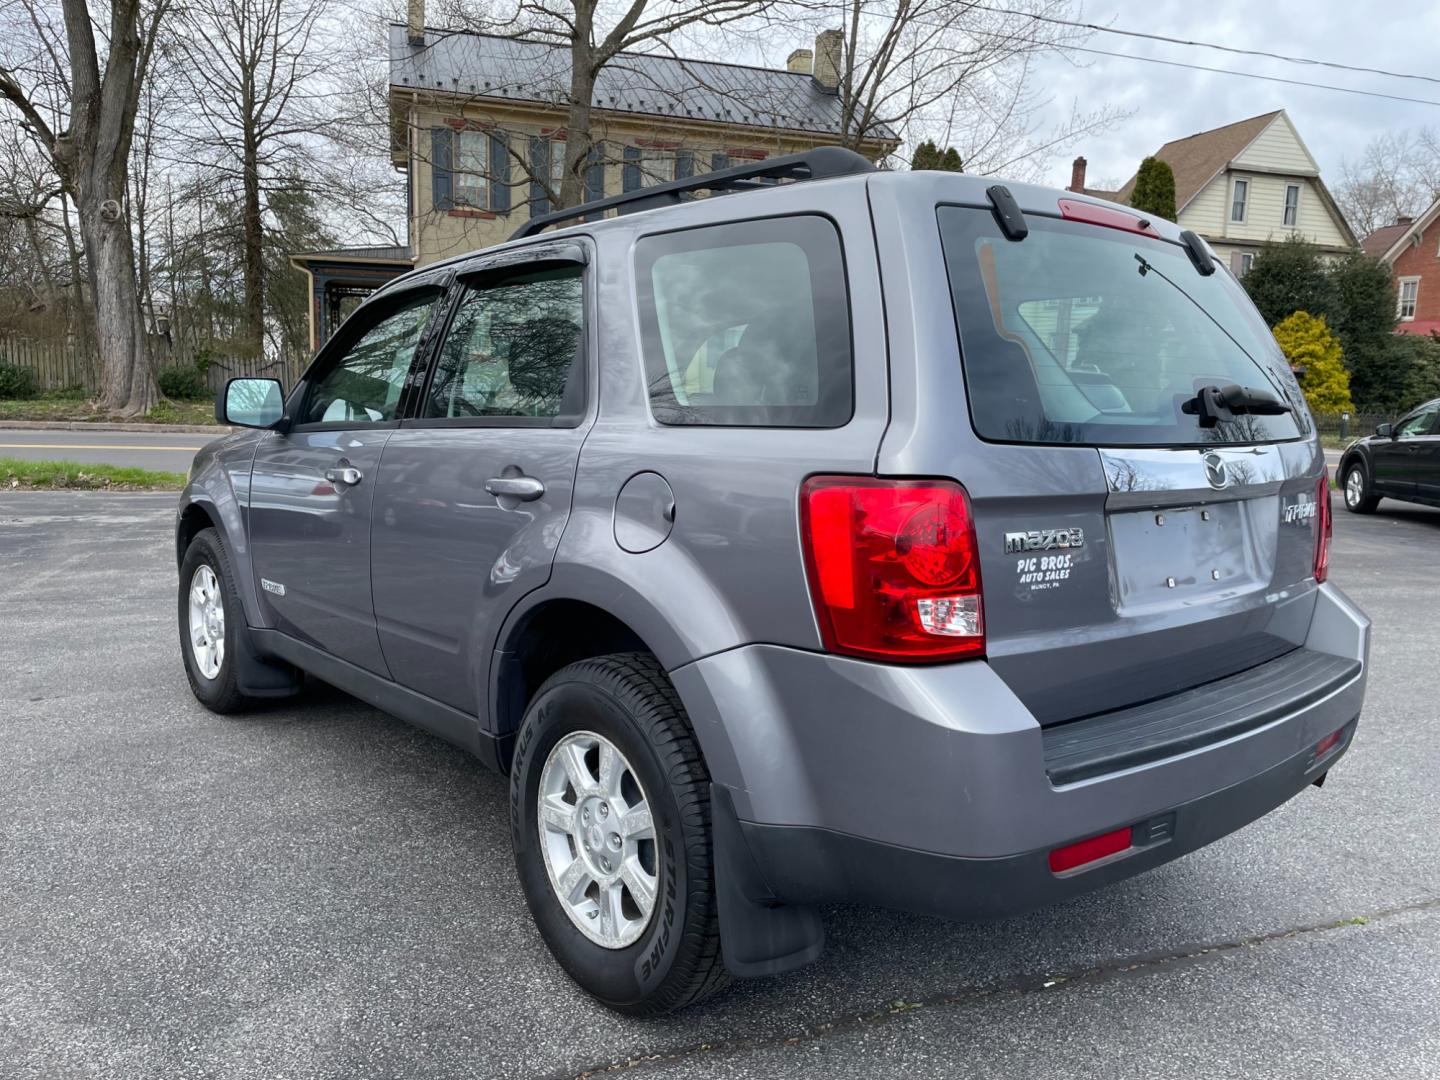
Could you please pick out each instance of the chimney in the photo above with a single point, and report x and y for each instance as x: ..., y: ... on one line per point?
x: 829, y: 54
x: 1077, y: 175
x: 1403, y: 219
x: 800, y: 60
x: 415, y: 22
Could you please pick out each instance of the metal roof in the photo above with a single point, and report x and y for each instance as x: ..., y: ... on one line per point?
x: 646, y: 84
x: 364, y: 254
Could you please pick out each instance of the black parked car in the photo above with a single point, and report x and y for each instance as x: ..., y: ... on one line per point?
x: 1400, y: 461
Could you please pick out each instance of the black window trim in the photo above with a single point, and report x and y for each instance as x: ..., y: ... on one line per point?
x: 486, y: 272
x: 383, y: 305
x: 657, y: 419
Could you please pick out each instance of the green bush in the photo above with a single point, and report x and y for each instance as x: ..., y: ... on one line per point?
x: 16, y: 382
x: 183, y: 383
x: 1154, y: 191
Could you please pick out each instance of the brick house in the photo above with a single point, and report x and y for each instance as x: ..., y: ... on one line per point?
x: 1244, y: 185
x: 1411, y: 248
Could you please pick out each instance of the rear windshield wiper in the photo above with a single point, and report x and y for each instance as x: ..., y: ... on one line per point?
x: 1213, y: 404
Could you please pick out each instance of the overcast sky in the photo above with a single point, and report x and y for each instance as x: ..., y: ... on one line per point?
x: 1170, y: 102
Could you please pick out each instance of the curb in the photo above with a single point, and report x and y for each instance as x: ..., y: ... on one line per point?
x: 216, y: 430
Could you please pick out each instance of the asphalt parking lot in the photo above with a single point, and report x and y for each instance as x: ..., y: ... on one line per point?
x: 317, y: 890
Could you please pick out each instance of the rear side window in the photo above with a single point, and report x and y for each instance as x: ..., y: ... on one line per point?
x: 747, y: 324
x: 514, y: 350
x: 1084, y: 334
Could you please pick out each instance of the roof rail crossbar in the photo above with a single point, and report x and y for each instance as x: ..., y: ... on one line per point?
x: 820, y: 163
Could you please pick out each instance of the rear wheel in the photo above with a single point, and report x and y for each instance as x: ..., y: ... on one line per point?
x: 210, y: 621
x: 1358, y: 497
x: 611, y: 829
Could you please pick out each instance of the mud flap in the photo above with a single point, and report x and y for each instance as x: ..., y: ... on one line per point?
x: 263, y: 677
x: 759, y: 936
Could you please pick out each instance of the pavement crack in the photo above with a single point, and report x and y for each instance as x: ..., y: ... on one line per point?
x: 1014, y: 986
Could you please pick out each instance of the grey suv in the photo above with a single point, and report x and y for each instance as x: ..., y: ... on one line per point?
x: 880, y: 537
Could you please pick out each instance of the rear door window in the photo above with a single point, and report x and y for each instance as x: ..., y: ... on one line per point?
x: 747, y: 324
x: 514, y: 350
x: 1084, y: 334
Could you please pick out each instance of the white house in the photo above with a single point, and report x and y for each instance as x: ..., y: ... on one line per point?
x: 1243, y: 185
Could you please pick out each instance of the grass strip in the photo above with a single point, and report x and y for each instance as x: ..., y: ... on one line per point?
x: 17, y: 474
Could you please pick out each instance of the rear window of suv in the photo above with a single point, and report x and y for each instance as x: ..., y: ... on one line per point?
x: 1091, y: 335
x: 747, y: 323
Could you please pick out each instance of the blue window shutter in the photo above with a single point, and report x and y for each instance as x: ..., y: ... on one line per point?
x: 630, y: 174
x: 684, y: 164
x: 539, y: 166
x: 441, y: 139
x: 719, y: 161
x: 595, y: 176
x: 500, y: 173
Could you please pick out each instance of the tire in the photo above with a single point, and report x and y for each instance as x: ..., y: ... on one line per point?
x: 217, y: 689
x: 625, y: 700
x: 1359, y: 499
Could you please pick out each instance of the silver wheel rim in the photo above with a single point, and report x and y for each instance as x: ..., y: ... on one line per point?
x: 598, y: 839
x: 1354, y: 487
x: 207, y: 622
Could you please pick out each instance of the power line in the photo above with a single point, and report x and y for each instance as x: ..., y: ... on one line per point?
x: 1249, y: 75
x: 1211, y: 45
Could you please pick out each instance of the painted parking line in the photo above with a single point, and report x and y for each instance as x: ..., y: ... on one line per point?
x: 89, y: 446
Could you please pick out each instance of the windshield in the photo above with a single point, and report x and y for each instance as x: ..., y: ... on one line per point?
x: 1091, y: 335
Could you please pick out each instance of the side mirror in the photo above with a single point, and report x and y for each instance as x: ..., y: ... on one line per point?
x: 1386, y: 431
x: 255, y: 403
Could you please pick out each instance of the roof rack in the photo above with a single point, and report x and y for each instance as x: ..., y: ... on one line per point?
x: 820, y: 163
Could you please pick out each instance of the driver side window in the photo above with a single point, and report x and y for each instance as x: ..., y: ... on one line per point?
x: 1419, y: 424
x: 365, y: 384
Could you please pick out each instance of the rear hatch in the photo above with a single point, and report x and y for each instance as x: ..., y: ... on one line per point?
x: 1133, y: 545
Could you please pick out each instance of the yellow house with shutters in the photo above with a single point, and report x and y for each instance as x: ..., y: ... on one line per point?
x: 476, y: 117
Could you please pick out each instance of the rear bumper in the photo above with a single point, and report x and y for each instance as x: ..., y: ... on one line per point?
x: 926, y: 789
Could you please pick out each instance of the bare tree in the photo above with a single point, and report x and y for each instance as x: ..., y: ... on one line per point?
x: 594, y: 34
x: 960, y: 73
x: 87, y: 139
x: 1397, y: 175
x: 254, y: 68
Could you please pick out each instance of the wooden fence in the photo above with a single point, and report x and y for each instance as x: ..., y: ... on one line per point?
x: 60, y: 364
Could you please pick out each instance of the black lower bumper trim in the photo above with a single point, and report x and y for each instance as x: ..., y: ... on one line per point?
x: 804, y: 865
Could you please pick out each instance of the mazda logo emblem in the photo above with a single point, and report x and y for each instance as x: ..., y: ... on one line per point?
x: 1215, y: 471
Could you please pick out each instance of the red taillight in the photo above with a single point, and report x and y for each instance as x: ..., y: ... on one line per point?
x: 1325, y: 745
x: 1324, y: 527
x: 1087, y: 851
x: 1075, y: 210
x: 893, y: 566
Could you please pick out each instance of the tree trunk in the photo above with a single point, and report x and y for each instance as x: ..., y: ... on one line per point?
x: 254, y: 249
x: 127, y: 382
x: 578, y: 140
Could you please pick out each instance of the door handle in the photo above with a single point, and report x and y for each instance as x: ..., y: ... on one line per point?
x: 524, y: 488
x: 349, y: 476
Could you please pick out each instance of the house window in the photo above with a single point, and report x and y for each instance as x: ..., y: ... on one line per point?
x: 472, y: 167
x: 1247, y: 259
x: 1237, y: 203
x: 1409, y: 293
x: 1292, y: 204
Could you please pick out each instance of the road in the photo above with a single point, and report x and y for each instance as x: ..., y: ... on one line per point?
x: 161, y: 450
x: 318, y: 890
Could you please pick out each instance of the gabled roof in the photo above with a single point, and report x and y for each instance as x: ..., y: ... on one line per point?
x: 1197, y: 159
x: 647, y: 84
x: 1388, y: 241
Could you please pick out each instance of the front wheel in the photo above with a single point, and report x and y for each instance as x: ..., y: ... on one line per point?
x: 1359, y: 499
x: 210, y: 622
x: 609, y: 801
